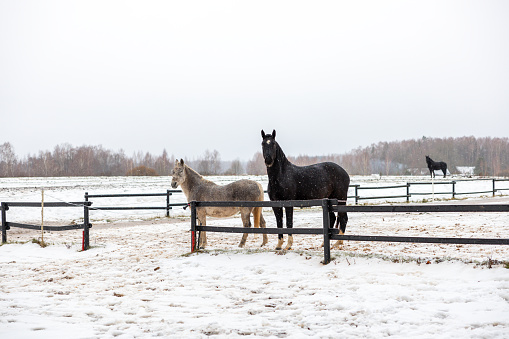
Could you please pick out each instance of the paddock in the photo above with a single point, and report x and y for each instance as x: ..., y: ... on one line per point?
x: 140, y: 279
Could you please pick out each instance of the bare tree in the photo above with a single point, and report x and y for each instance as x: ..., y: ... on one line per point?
x: 236, y: 168
x: 7, y: 159
x: 210, y: 164
x: 256, y: 166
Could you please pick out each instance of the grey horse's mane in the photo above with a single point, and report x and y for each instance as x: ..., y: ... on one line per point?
x: 195, y: 175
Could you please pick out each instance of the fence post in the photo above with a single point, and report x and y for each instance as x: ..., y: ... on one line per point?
x: 193, y: 225
x: 407, y: 192
x: 494, y: 190
x: 453, y: 189
x: 168, y: 203
x: 86, y: 222
x: 4, y: 222
x: 326, y: 232
x: 356, y: 194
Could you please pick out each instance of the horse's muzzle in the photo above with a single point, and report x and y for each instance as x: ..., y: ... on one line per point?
x: 174, y: 184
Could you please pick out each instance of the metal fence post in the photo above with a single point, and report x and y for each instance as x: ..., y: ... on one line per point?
x: 494, y: 190
x: 453, y: 189
x: 193, y: 225
x: 326, y: 232
x: 4, y: 222
x: 356, y: 194
x: 407, y: 192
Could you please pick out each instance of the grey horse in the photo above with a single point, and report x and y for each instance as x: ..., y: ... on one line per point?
x: 197, y: 188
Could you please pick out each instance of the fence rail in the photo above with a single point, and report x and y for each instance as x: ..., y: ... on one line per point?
x: 330, y: 205
x: 409, y: 194
x: 168, y: 206
x: 86, y: 225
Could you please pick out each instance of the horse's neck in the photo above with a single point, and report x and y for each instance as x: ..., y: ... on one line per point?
x: 193, y: 179
x: 280, y: 165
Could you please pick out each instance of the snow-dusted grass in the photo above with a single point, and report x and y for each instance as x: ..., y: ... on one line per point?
x: 139, y: 279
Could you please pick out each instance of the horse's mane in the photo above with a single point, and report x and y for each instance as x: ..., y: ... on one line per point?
x: 280, y: 152
x: 195, y: 175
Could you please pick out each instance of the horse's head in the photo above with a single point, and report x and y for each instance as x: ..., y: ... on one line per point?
x: 179, y: 175
x: 269, y: 148
x: 428, y: 159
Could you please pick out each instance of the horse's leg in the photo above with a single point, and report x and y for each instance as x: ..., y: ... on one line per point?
x: 259, y: 222
x: 444, y: 169
x: 289, y: 224
x: 262, y: 225
x: 333, y: 221
x: 202, y: 219
x: 245, y: 214
x: 342, y: 220
x: 278, y: 213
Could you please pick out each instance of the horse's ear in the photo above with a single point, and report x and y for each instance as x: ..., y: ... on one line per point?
x: 182, y: 162
x: 263, y: 134
x: 274, y: 134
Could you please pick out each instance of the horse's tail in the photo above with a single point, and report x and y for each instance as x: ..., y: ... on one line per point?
x: 257, y: 215
x: 257, y: 211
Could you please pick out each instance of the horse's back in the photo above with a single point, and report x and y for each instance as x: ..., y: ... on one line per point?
x: 318, y: 181
x: 245, y: 190
x: 241, y: 190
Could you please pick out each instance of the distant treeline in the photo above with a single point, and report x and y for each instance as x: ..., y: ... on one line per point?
x: 489, y: 156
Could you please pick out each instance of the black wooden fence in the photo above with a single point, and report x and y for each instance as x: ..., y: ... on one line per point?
x: 86, y: 205
x: 6, y: 225
x: 333, y: 234
x: 405, y: 189
x: 168, y: 206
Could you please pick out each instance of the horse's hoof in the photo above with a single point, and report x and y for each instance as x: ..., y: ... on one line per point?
x: 279, y: 248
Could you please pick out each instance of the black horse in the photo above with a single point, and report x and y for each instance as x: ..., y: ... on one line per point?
x: 290, y: 182
x: 439, y: 165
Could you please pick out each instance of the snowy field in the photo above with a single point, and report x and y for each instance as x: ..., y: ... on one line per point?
x: 139, y: 279
x: 73, y: 189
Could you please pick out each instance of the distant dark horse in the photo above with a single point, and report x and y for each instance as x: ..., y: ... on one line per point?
x: 290, y: 182
x: 432, y: 165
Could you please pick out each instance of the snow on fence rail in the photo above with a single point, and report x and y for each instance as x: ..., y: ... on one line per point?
x: 332, y: 233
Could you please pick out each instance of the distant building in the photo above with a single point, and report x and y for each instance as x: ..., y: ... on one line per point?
x: 466, y: 171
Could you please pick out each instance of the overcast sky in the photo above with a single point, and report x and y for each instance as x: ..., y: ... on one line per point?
x: 187, y: 76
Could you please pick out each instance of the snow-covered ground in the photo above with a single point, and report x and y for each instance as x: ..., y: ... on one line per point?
x: 139, y: 279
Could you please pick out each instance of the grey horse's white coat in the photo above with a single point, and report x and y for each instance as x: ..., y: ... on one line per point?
x: 197, y: 188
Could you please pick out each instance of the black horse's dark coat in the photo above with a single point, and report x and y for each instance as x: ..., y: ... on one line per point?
x: 290, y: 182
x: 438, y: 165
